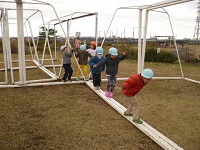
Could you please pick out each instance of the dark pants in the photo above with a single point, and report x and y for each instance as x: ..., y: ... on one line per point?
x: 96, y: 79
x: 68, y: 71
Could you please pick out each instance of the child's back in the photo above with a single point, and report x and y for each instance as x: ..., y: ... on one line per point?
x: 83, y: 61
x: 83, y: 57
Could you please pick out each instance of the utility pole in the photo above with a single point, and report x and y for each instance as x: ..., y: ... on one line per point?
x: 196, y: 29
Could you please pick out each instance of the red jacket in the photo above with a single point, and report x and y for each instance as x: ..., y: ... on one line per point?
x: 133, y: 85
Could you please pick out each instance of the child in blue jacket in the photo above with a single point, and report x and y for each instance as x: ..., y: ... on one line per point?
x: 96, y: 72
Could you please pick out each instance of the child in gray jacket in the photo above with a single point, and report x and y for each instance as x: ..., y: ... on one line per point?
x: 67, y: 63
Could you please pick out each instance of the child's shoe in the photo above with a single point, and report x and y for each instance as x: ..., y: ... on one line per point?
x: 95, y: 88
x: 86, y: 79
x: 128, y: 114
x: 111, y: 95
x: 77, y: 79
x: 64, y: 81
x: 107, y: 93
x: 139, y: 121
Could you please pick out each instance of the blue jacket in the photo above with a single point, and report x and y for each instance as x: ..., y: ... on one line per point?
x: 95, y: 60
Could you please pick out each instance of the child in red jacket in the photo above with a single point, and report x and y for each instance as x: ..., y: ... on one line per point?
x: 131, y: 87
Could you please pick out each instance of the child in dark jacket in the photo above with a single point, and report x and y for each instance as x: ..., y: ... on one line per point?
x: 96, y: 72
x: 112, y: 63
x: 130, y: 88
x: 67, y: 63
x: 83, y: 62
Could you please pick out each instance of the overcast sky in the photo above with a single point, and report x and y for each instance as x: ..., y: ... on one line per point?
x: 125, y: 23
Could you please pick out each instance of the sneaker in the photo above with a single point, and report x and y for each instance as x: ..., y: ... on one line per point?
x: 77, y: 79
x: 128, y: 114
x: 86, y: 79
x: 107, y: 93
x: 139, y: 121
x: 95, y: 88
x: 111, y: 95
x: 64, y: 81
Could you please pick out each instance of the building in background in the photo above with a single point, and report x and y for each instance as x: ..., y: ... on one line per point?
x: 78, y: 34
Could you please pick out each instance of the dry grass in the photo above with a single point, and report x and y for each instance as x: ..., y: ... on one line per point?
x: 172, y: 107
x: 57, y: 117
x: 74, y: 117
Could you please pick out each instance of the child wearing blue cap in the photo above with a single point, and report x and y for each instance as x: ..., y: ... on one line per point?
x: 130, y: 89
x: 112, y: 63
x: 67, y: 63
x: 96, y: 72
x: 83, y: 62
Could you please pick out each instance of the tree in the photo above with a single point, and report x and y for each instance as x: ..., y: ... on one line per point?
x: 43, y: 31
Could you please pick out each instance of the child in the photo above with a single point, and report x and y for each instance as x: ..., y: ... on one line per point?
x: 92, y: 51
x: 131, y: 87
x: 67, y: 63
x: 77, y: 44
x: 92, y: 48
x: 96, y: 72
x: 112, y: 63
x: 83, y: 62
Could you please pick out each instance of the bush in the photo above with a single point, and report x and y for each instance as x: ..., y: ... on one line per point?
x: 131, y: 54
x: 151, y: 55
x: 188, y: 55
x: 131, y: 51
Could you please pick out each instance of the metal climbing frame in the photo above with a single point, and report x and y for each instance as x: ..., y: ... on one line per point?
x: 142, y: 42
x: 21, y: 27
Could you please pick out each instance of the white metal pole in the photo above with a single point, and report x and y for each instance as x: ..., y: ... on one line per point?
x: 45, y: 43
x: 51, y: 53
x: 96, y: 28
x: 60, y: 70
x: 29, y: 44
x: 139, y: 40
x: 109, y: 27
x: 4, y: 45
x: 6, y: 38
x: 36, y: 54
x: 144, y: 38
x: 21, y: 50
x: 55, y: 43
x: 8, y: 47
x: 38, y: 37
x: 175, y: 43
x: 166, y: 3
x: 68, y: 45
